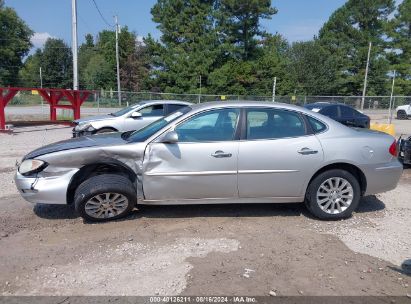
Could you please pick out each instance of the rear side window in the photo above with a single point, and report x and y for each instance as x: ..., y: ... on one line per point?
x: 331, y: 111
x: 347, y: 112
x: 273, y: 124
x: 174, y: 107
x: 316, y: 125
x: 153, y: 110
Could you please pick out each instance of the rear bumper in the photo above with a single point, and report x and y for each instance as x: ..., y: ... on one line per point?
x: 44, y: 190
x: 383, y: 178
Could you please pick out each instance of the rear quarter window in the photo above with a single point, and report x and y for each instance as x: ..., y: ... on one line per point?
x: 316, y: 125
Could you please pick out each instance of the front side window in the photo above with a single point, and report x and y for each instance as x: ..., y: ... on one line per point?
x: 215, y: 125
x: 273, y: 124
x: 153, y: 110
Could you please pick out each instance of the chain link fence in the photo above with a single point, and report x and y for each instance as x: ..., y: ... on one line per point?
x: 102, y: 101
x: 110, y: 99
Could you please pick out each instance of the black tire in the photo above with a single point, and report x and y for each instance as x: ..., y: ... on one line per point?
x: 105, y: 130
x: 101, y: 184
x: 401, y: 115
x: 311, y: 195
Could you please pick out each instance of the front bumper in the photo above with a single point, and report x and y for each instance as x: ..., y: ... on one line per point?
x: 82, y: 133
x: 384, y: 177
x: 44, y: 190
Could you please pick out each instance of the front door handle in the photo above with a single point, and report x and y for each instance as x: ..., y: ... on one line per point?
x: 307, y: 151
x: 221, y: 154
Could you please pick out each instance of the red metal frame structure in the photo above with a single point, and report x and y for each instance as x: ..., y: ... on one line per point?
x: 51, y: 96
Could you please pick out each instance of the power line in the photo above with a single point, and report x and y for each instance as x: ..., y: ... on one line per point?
x: 101, y: 15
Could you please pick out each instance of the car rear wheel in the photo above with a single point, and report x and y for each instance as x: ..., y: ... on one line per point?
x: 333, y: 194
x: 105, y: 197
x: 401, y: 114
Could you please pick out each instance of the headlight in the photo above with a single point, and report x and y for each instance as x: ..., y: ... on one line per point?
x: 84, y: 127
x: 30, y: 166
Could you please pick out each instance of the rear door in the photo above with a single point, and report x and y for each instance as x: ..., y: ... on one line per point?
x: 277, y: 156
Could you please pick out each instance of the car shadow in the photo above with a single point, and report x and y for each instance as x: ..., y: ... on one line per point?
x: 370, y: 204
x: 222, y: 210
x: 55, y: 212
x: 405, y: 268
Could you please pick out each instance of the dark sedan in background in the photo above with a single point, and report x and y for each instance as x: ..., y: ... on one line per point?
x: 341, y: 113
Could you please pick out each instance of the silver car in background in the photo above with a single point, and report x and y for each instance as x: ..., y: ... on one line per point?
x: 223, y: 152
x: 128, y: 119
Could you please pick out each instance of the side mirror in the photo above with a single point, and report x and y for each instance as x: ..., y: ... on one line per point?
x: 136, y: 115
x: 170, y: 138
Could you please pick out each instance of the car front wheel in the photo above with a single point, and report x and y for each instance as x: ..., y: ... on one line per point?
x: 105, y: 197
x: 333, y: 194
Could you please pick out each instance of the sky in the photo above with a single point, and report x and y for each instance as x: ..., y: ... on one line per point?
x: 296, y: 20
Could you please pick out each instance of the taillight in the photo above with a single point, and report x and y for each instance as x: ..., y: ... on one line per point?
x: 393, y: 149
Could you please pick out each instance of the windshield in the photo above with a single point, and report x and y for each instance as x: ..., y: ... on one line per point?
x: 149, y: 130
x: 125, y: 110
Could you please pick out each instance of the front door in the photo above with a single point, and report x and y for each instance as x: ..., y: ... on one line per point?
x: 203, y: 164
x: 277, y: 157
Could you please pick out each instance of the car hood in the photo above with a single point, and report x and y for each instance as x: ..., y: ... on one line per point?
x: 108, y: 139
x: 94, y: 118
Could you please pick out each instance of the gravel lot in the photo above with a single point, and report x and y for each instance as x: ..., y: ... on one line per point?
x: 201, y: 250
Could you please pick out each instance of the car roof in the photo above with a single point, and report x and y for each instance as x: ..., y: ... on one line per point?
x: 156, y: 101
x: 247, y: 103
x: 324, y: 104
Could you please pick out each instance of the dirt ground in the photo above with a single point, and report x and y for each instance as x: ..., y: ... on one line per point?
x: 199, y: 250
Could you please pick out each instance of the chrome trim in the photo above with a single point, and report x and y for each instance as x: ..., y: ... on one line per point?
x: 193, y: 173
x: 229, y: 200
x: 265, y: 171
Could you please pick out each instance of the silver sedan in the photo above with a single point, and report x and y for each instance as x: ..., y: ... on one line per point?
x: 131, y: 118
x: 226, y: 152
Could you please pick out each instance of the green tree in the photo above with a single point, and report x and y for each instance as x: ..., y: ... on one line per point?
x: 29, y: 75
x: 239, y: 24
x: 345, y: 37
x: 255, y: 77
x: 56, y: 64
x: 311, y: 68
x: 188, y: 46
x: 135, y: 69
x: 14, y: 45
x: 85, y: 53
x: 400, y: 55
x: 132, y: 59
x: 98, y: 73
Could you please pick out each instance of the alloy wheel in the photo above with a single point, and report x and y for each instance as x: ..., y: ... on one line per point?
x: 335, y: 195
x: 106, y: 205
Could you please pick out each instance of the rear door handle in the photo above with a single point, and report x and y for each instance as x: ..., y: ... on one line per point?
x: 307, y: 151
x: 221, y: 154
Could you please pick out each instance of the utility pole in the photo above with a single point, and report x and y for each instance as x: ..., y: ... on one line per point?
x: 118, y: 62
x: 274, y: 87
x: 74, y: 43
x: 366, y: 77
x: 41, y: 86
x: 199, y: 95
x: 41, y: 80
x: 392, y: 95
